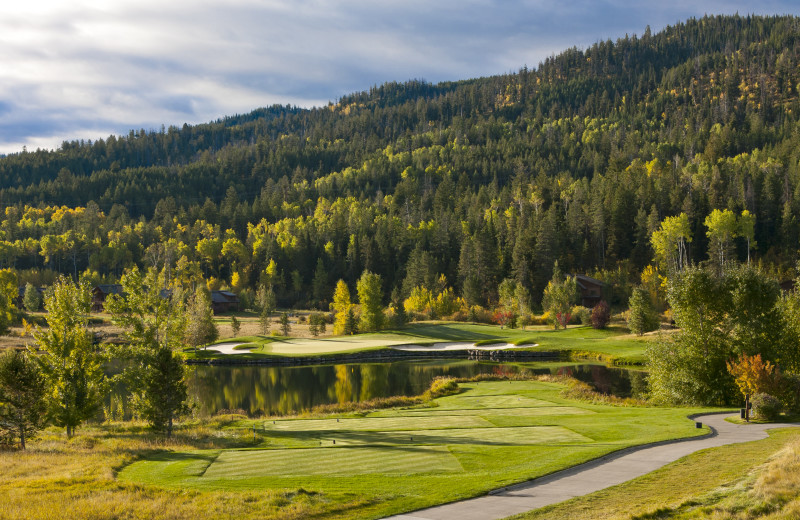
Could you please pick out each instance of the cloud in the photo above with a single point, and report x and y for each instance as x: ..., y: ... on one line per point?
x: 73, y: 69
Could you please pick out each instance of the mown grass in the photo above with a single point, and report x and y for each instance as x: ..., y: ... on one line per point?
x: 746, y: 481
x: 612, y: 345
x: 76, y: 479
x: 492, y: 434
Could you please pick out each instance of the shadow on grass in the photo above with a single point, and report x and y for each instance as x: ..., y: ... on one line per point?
x: 408, y: 440
x: 443, y: 332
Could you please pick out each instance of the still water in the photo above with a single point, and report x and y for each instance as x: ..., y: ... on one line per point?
x: 259, y: 390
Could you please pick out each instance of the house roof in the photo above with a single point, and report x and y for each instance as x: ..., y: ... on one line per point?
x: 113, y: 288
x: 583, y: 280
x: 223, y: 297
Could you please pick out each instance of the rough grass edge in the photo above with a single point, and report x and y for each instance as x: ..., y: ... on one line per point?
x: 440, y: 387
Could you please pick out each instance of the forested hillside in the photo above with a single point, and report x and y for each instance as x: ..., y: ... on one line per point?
x: 576, y: 161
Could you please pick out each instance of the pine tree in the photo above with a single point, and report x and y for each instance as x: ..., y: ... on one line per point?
x: 32, y: 298
x: 235, y: 326
x: 642, y: 316
x: 162, y: 392
x: 154, y: 324
x: 285, y: 326
x: 22, y: 394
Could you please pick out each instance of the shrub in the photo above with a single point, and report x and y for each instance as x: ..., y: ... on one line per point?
x: 582, y: 315
x: 601, y: 315
x: 442, y: 386
x: 766, y: 407
x: 790, y: 392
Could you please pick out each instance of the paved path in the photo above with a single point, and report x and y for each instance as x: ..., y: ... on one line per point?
x: 592, y: 476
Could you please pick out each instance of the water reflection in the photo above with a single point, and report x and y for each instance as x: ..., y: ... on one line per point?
x: 284, y: 390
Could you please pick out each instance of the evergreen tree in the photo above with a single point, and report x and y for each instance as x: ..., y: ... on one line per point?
x: 235, y: 326
x: 154, y: 326
x: 285, y: 326
x: 319, y: 285
x: 22, y: 397
x: 162, y: 392
x: 32, y: 298
x: 642, y: 316
x: 317, y: 320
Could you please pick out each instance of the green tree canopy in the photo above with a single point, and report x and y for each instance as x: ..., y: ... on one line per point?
x: 344, y: 321
x: 370, y: 297
x: 69, y: 361
x: 154, y: 325
x: 22, y: 396
x: 200, y: 326
x: 559, y: 296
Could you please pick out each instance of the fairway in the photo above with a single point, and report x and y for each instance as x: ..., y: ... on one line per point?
x: 490, y: 435
x: 489, y: 412
x: 327, y: 461
x: 380, y: 423
x: 613, y: 343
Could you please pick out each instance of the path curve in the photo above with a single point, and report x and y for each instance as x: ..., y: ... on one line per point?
x: 592, y: 476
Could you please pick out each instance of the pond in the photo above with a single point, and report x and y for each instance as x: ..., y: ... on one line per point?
x: 268, y: 390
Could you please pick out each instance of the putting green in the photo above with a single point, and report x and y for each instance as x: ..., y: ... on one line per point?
x: 328, y: 461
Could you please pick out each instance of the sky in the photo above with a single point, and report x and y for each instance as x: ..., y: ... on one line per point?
x: 86, y: 69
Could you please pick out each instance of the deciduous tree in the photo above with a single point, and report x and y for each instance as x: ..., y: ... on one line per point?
x: 71, y: 364
x: 200, y: 326
x: 154, y: 326
x: 370, y: 295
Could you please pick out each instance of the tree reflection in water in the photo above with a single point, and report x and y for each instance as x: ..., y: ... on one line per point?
x: 260, y: 390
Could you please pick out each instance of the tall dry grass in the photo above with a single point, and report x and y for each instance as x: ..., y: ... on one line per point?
x: 76, y: 479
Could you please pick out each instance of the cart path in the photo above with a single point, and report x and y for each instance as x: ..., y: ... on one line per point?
x: 592, y: 476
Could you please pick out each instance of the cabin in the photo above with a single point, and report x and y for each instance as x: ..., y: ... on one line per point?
x: 224, y: 301
x: 101, y: 292
x: 591, y: 290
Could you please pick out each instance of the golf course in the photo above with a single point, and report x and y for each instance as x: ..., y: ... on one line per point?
x: 487, y: 435
x: 614, y: 344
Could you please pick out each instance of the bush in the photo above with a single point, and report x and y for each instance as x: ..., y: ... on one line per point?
x: 766, y: 407
x: 601, y: 315
x: 582, y: 315
x: 542, y: 319
x: 790, y: 392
